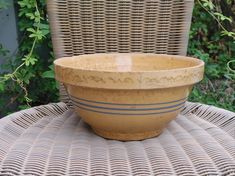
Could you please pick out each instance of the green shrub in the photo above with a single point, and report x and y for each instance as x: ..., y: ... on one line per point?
x: 27, y: 78
x: 207, y: 43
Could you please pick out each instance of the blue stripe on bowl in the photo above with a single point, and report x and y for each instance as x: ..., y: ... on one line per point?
x: 114, y: 113
x: 91, y: 101
x: 126, y: 109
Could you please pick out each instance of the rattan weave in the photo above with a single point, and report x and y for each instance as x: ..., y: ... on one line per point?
x: 101, y: 26
x: 52, y: 140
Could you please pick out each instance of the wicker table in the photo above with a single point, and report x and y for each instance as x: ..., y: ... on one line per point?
x: 52, y: 140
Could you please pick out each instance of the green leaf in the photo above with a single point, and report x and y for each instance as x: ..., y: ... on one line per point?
x: 57, y: 85
x: 31, y: 30
x: 2, y: 86
x: 36, y: 33
x: 208, y: 3
x: 230, y: 34
x: 22, y: 3
x: 43, y: 26
x: 37, y: 19
x: 29, y: 60
x: 32, y: 35
x: 48, y: 74
x: 30, y: 15
x: 22, y: 107
x: 45, y: 32
x: 26, y: 3
x: 27, y: 76
x: 223, y: 17
x: 51, y: 66
x: 196, y: 92
x: 32, y: 60
x: 37, y: 14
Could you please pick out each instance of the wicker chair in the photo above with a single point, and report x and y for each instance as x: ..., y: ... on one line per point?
x: 99, y: 26
x: 52, y: 140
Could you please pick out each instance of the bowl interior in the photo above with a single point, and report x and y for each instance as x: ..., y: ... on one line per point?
x: 128, y: 62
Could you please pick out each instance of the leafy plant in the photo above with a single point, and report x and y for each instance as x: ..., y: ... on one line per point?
x: 214, y: 44
x: 25, y: 82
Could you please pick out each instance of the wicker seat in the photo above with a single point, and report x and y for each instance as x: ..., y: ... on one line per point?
x: 52, y: 140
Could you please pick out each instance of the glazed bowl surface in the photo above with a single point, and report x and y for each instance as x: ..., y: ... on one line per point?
x: 128, y: 96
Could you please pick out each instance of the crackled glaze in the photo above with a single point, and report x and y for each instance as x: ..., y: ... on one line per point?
x: 128, y: 96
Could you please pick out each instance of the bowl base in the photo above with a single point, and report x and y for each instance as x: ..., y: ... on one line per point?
x: 127, y: 136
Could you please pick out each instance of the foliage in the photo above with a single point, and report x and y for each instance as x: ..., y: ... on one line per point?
x: 212, y: 42
x: 27, y: 79
x: 28, y: 76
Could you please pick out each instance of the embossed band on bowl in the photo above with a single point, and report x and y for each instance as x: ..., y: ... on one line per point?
x: 128, y: 96
x: 129, y: 71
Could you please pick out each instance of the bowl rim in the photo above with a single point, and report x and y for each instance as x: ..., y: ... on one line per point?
x: 153, y: 79
x: 199, y: 62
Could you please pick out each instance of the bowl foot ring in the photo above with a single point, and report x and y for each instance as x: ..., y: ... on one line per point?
x: 127, y: 136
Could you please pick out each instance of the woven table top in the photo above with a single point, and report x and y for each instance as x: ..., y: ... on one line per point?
x: 52, y: 140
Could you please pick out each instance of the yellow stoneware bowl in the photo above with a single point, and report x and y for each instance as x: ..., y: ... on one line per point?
x: 128, y: 96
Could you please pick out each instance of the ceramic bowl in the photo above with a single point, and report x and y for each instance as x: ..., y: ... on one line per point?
x: 128, y: 96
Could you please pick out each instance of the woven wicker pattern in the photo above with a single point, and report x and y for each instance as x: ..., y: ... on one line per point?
x: 52, y: 140
x: 101, y: 26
